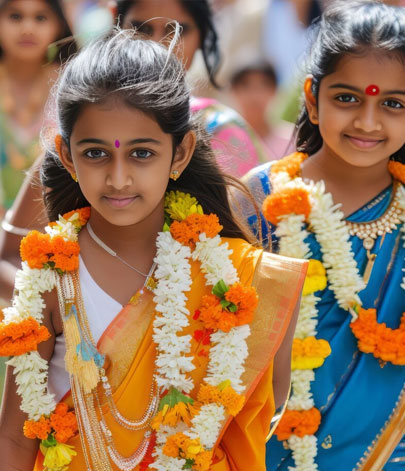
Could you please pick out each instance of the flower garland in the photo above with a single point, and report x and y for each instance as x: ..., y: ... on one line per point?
x: 186, y: 429
x: 44, y: 256
x: 292, y: 204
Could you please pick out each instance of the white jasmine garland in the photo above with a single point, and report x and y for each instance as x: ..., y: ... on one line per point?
x: 207, y: 424
x: 301, y: 397
x: 304, y: 451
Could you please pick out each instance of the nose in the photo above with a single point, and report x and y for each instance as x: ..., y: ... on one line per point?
x: 368, y: 118
x: 119, y: 175
x: 27, y: 26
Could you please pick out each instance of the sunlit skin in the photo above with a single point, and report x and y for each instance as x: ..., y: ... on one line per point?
x: 360, y: 131
x: 125, y: 187
x: 153, y: 18
x: 27, y: 27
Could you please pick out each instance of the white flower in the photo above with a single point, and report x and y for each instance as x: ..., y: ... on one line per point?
x: 292, y: 234
x: 215, y: 262
x: 308, y: 317
x: 227, y: 357
x: 301, y: 398
x: 304, y: 450
x: 64, y: 229
x: 166, y: 463
x: 207, y: 424
x: 34, y: 280
x: 29, y: 303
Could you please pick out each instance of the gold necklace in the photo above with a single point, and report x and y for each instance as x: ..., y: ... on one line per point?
x: 370, y: 230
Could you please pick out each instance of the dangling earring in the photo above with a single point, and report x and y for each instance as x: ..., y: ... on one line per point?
x: 74, y: 176
x: 174, y: 175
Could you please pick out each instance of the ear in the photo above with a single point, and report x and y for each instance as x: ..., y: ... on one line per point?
x: 64, y: 154
x: 310, y: 101
x: 184, y: 152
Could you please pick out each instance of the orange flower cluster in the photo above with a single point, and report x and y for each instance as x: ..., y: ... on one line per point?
x: 301, y: 423
x: 41, y: 249
x: 288, y: 201
x: 290, y: 164
x: 180, y: 445
x: 309, y: 353
x: 397, y: 170
x: 216, y: 317
x: 228, y: 397
x: 180, y: 412
x: 40, y: 429
x: 383, y: 342
x: 61, y: 423
x: 187, y: 232
x: 83, y: 213
x: 18, y: 338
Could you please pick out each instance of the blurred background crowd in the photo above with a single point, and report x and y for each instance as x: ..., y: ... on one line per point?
x: 244, y: 58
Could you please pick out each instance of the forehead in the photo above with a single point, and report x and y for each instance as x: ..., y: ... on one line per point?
x: 115, y: 120
x: 26, y: 6
x: 385, y: 70
x: 160, y: 10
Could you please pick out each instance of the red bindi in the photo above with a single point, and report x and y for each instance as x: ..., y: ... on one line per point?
x: 117, y: 143
x: 372, y: 90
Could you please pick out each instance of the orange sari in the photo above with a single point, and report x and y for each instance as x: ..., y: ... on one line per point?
x: 130, y: 353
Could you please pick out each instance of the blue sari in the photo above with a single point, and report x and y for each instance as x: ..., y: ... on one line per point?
x: 358, y: 397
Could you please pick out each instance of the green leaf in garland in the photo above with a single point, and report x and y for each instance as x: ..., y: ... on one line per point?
x: 50, y: 441
x: 173, y: 397
x: 220, y: 289
x: 189, y: 464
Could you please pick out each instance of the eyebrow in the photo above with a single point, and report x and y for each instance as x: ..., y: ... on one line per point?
x: 141, y: 140
x: 358, y: 90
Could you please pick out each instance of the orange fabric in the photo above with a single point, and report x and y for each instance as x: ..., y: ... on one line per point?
x: 242, y: 442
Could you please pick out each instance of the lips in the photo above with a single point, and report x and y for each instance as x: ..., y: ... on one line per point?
x: 362, y: 142
x: 27, y: 43
x: 119, y: 201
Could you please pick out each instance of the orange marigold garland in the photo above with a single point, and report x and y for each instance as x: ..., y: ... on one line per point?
x: 285, y: 202
x: 300, y: 423
x: 17, y: 338
x: 290, y: 164
x: 188, y: 231
x: 228, y: 397
x: 383, y: 342
x: 397, y: 170
x: 228, y: 307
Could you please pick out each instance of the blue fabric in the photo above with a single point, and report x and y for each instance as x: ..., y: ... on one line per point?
x: 354, y: 393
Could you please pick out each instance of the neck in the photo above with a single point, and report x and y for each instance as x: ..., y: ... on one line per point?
x: 22, y: 72
x: 260, y: 126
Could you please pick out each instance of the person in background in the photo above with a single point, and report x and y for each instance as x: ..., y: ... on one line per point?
x: 339, y: 200
x: 28, y: 66
x: 253, y: 89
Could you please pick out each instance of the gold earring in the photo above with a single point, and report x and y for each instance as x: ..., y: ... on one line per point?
x: 74, y: 176
x: 174, y: 175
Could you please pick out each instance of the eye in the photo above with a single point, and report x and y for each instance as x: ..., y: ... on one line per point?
x: 142, y: 154
x: 95, y: 154
x: 346, y: 98
x: 15, y: 16
x: 144, y: 28
x: 41, y: 18
x: 393, y: 104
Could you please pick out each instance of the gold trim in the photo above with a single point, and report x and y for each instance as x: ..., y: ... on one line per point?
x: 277, y: 417
x: 384, y: 444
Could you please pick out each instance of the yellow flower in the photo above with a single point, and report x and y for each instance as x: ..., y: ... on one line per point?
x: 315, y: 279
x: 179, y: 205
x: 58, y: 457
x: 309, y: 353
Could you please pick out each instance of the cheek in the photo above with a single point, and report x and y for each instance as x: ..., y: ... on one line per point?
x: 49, y: 33
x: 191, y: 45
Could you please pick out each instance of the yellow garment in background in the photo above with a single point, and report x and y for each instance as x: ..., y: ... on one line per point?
x: 130, y: 352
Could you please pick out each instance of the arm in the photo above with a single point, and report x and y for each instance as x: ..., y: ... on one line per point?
x: 27, y: 213
x: 17, y: 452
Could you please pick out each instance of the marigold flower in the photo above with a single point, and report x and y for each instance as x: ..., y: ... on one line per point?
x: 180, y: 412
x: 83, y: 215
x: 214, y: 316
x: 290, y: 164
x: 287, y: 201
x: 228, y: 397
x: 202, y: 462
x: 383, y: 342
x: 17, y: 338
x: 300, y: 423
x: 64, y: 423
x: 179, y: 205
x: 65, y: 254
x: 35, y: 249
x: 316, y: 277
x: 37, y: 429
x: 188, y: 231
x: 397, y: 170
x: 309, y: 353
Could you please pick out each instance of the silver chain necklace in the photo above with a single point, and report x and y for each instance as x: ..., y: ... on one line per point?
x: 99, y: 242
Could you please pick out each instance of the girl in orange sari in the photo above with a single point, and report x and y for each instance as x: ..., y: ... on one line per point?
x: 187, y: 374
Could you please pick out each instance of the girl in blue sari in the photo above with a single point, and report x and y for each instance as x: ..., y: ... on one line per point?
x: 347, y: 406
